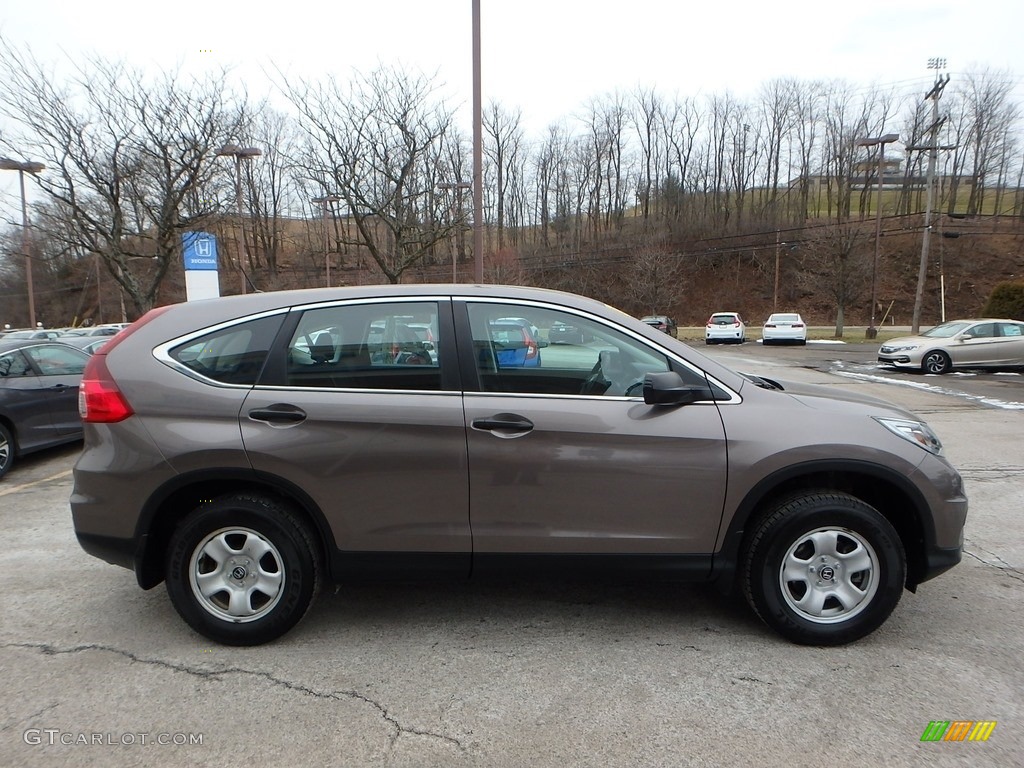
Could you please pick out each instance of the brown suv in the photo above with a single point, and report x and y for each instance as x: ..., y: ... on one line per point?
x: 247, y: 449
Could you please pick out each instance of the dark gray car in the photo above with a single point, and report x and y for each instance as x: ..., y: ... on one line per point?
x: 38, y: 397
x: 247, y: 449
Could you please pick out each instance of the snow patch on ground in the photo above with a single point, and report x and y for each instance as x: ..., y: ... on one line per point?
x: 926, y: 387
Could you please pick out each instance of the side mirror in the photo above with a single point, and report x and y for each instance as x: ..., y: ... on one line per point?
x: 965, y: 337
x: 541, y: 344
x: 669, y: 389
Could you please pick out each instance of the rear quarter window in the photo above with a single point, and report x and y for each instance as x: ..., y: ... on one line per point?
x: 232, y: 355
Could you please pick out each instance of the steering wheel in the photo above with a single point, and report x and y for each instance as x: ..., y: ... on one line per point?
x: 631, y: 389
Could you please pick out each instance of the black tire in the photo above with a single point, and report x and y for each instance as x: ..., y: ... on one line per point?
x: 260, y: 562
x: 855, y: 568
x: 7, y: 450
x: 936, y: 362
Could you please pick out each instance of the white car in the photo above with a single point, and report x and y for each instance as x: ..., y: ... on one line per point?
x: 784, y: 327
x: 726, y: 327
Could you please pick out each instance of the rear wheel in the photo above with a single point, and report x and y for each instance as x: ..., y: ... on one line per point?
x: 6, y: 450
x: 242, y: 570
x: 823, y: 568
x: 937, y: 362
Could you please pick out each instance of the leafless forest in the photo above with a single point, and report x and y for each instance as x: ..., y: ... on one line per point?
x: 652, y: 202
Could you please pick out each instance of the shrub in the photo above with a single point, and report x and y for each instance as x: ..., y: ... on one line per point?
x: 1006, y: 301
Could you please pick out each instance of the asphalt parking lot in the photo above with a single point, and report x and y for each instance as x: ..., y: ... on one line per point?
x: 93, y: 671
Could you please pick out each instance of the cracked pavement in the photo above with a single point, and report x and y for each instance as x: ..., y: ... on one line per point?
x: 516, y: 674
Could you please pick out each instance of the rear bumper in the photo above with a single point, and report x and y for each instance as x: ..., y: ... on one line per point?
x: 114, y: 550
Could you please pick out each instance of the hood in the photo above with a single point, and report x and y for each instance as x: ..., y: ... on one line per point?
x: 905, y: 340
x: 837, y: 400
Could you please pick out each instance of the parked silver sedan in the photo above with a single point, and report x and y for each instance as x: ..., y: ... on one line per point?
x: 977, y: 343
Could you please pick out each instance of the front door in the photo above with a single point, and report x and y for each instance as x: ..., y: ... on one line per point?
x: 565, y: 457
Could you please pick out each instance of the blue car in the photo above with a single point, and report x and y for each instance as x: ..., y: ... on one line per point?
x: 514, y: 344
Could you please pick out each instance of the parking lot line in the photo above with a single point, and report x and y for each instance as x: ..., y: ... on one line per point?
x: 23, y: 486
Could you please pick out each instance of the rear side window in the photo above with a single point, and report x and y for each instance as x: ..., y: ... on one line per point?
x: 232, y: 355
x: 367, y: 346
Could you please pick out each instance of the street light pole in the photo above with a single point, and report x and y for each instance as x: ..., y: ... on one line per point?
x: 880, y: 142
x: 325, y: 201
x: 239, y: 153
x: 478, y: 154
x: 6, y: 164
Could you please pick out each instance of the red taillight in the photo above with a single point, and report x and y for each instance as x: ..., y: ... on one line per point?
x: 99, y: 399
x: 531, y: 346
x: 736, y: 325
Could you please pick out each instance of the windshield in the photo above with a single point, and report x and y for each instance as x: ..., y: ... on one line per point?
x: 946, y: 330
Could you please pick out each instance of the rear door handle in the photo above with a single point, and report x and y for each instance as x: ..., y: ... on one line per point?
x: 279, y: 413
x: 504, y: 422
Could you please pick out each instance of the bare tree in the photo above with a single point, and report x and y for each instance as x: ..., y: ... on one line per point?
x: 123, y: 153
x: 503, y: 149
x: 652, y: 277
x: 376, y: 143
x: 991, y: 112
x: 835, y: 262
x: 270, y: 183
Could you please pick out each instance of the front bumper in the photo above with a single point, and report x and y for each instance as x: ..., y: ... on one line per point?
x: 897, y: 360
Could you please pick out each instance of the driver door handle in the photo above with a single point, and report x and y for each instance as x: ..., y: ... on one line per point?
x: 504, y: 422
x: 279, y: 413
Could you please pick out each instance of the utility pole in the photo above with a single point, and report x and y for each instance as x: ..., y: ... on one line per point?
x: 933, y: 150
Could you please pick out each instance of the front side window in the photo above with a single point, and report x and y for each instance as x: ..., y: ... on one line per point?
x: 14, y: 364
x: 538, y: 350
x: 367, y: 346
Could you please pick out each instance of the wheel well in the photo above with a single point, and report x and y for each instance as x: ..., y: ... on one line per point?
x: 165, y: 516
x: 894, y: 502
x: 14, y: 433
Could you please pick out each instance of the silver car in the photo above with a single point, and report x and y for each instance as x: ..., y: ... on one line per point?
x: 980, y: 343
x: 244, y: 465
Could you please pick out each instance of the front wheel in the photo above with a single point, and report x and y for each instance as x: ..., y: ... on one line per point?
x: 6, y: 450
x: 937, y: 362
x: 823, y: 568
x: 242, y: 570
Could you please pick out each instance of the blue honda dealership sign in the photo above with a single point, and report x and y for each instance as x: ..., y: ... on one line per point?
x: 199, y: 250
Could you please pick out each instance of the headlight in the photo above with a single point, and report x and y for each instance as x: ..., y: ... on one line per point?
x: 915, y: 431
x: 904, y: 348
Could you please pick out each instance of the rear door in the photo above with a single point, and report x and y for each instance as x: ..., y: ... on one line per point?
x: 354, y: 411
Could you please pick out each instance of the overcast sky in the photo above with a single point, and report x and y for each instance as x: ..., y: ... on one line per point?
x: 546, y: 57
